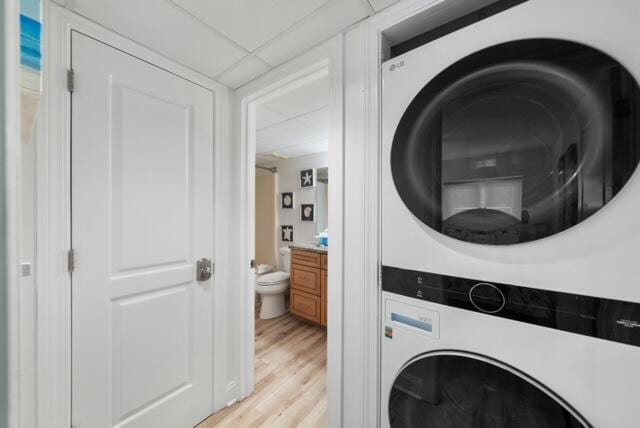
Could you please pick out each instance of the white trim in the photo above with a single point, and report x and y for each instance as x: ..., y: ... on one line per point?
x: 361, y: 363
x: 326, y: 59
x: 335, y: 300
x: 11, y: 146
x: 373, y: 84
x: 360, y: 352
x: 53, y: 208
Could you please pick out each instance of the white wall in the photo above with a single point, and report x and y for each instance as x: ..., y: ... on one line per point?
x: 288, y: 179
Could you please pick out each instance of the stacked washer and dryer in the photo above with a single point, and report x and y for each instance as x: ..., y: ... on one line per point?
x: 511, y: 222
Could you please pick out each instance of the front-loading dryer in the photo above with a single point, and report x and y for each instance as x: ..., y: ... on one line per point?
x: 510, y: 148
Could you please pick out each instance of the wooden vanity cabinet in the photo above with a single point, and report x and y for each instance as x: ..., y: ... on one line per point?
x: 323, y: 294
x: 309, y: 286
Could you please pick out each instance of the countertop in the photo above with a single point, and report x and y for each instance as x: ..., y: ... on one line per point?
x: 309, y: 247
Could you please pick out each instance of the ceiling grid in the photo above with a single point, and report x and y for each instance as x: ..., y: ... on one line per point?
x: 233, y: 41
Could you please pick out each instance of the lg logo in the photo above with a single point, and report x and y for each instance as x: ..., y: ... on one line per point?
x: 395, y: 65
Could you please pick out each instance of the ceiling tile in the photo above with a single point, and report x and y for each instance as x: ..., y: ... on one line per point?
x: 245, y: 70
x: 288, y: 133
x: 317, y: 120
x: 266, y: 145
x: 250, y: 23
x: 314, y: 133
x: 308, y: 98
x: 326, y: 22
x: 167, y: 29
x: 305, y: 149
x: 267, y: 117
x: 378, y: 5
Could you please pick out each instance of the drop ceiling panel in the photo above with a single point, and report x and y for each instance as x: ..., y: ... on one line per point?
x: 305, y: 149
x: 288, y: 133
x: 213, y: 36
x: 265, y: 145
x: 326, y: 22
x: 317, y: 120
x: 311, y: 97
x: 164, y: 28
x: 251, y: 23
x: 244, y: 71
x: 267, y: 117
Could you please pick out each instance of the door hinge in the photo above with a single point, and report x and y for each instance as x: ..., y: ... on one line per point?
x: 70, y: 80
x: 252, y: 263
x: 71, y: 261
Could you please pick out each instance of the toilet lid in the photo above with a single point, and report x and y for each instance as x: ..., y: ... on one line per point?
x: 273, y: 278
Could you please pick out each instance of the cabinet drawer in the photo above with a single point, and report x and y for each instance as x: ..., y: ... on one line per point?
x: 305, y: 258
x: 305, y: 306
x: 324, y: 261
x: 306, y: 279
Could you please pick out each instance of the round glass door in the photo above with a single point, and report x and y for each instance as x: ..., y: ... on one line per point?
x: 458, y: 391
x: 518, y: 141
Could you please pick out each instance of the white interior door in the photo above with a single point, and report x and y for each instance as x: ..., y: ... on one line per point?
x: 142, y: 209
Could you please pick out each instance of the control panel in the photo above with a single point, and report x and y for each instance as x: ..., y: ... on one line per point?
x: 608, y: 319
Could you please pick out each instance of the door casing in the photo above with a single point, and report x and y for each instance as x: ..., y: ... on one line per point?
x: 10, y: 339
x: 325, y: 60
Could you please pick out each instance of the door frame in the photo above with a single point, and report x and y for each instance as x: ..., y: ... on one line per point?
x: 10, y: 145
x: 53, y: 227
x: 325, y: 60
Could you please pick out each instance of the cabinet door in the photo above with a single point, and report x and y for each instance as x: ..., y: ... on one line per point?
x: 305, y: 306
x: 323, y: 295
x: 306, y: 279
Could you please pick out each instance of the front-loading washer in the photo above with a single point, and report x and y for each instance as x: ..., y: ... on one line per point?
x: 511, y: 219
x: 509, y: 150
x: 463, y: 353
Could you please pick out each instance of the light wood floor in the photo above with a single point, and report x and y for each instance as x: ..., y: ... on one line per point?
x: 291, y: 361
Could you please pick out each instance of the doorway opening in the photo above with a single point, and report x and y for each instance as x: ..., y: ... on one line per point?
x: 289, y: 245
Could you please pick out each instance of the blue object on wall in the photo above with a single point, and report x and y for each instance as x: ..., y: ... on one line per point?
x: 30, y: 43
x: 31, y: 65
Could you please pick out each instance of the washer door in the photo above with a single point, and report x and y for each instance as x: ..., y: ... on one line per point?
x: 459, y: 390
x: 518, y: 141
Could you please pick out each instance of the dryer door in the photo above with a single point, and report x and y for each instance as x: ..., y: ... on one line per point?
x: 518, y: 141
x: 459, y: 390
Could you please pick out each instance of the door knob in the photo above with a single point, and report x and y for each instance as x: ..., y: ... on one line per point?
x: 204, y: 269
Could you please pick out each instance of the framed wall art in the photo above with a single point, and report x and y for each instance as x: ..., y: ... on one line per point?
x: 308, y: 178
x: 287, y: 201
x: 307, y: 212
x: 287, y: 233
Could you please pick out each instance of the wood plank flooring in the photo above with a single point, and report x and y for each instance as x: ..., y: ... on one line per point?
x: 291, y: 361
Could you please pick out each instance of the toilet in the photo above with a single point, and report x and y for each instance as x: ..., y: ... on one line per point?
x: 272, y: 288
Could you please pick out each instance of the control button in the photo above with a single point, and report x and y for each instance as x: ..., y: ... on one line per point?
x: 487, y: 298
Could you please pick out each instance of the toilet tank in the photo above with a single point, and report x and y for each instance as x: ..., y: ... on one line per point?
x: 285, y: 252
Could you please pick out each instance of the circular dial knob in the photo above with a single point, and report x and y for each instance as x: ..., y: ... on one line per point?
x: 487, y: 298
